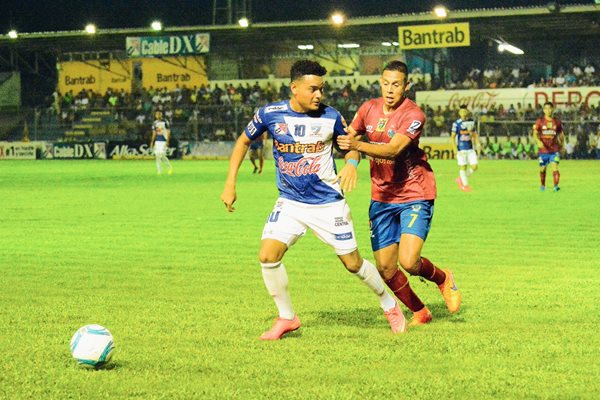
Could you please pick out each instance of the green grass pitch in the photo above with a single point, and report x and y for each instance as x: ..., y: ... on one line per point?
x: 158, y: 261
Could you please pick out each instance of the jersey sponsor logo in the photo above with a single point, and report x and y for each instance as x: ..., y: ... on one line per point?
x: 269, y: 109
x: 281, y: 129
x: 548, y: 132
x: 251, y: 128
x: 416, y: 207
x: 343, y: 236
x: 304, y: 166
x: 381, y: 124
x: 383, y: 161
x: 299, y: 148
x: 340, y: 221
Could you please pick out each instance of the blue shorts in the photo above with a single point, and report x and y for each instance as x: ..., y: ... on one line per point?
x: 256, y: 145
x: 546, y: 158
x: 390, y: 220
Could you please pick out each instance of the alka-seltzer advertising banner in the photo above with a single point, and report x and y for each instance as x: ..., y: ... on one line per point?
x: 434, y: 36
x: 136, y: 150
x: 151, y: 46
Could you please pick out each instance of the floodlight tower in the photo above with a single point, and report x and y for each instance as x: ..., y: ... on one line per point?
x: 227, y: 12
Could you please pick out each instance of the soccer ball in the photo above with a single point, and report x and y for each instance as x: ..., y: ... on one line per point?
x: 92, y: 346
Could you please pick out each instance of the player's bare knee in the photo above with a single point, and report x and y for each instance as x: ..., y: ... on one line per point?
x: 410, y: 265
x: 387, y: 270
x: 474, y: 167
x: 266, y: 257
x: 352, y: 261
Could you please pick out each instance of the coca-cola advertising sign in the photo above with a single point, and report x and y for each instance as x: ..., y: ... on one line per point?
x: 486, y: 98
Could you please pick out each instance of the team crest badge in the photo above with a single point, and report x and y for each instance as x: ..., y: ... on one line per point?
x: 391, y: 133
x: 381, y: 124
x: 549, y: 124
x: 416, y: 207
x: 281, y: 129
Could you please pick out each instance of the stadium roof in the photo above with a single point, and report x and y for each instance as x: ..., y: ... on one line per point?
x: 512, y: 24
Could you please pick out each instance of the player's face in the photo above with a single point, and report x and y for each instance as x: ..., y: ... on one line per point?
x: 548, y: 110
x: 307, y: 93
x: 463, y: 113
x: 393, y: 85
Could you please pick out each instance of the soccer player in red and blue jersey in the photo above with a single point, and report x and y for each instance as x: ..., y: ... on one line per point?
x: 550, y: 138
x: 403, y: 190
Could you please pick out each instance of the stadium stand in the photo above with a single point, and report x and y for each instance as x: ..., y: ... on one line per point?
x: 217, y: 110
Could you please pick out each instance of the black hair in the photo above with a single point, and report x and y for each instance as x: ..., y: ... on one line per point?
x: 464, y: 106
x: 306, y: 67
x: 549, y: 103
x: 397, y: 65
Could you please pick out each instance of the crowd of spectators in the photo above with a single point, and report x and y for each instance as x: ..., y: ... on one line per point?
x: 219, y: 112
x: 520, y: 76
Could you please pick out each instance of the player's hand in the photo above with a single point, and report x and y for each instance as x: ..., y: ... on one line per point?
x: 348, y: 177
x: 228, y: 197
x: 347, y: 142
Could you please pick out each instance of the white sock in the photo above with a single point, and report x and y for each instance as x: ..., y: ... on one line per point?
x: 276, y: 281
x: 463, y: 177
x: 166, y: 161
x: 370, y: 276
x: 158, y: 164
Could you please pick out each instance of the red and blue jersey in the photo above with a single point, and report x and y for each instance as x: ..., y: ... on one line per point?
x: 463, y: 131
x: 409, y: 176
x: 548, y: 131
x: 302, y: 150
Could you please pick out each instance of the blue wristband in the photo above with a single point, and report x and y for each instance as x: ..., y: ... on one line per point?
x: 352, y: 161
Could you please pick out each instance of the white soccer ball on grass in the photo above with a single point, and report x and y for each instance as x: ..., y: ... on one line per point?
x: 92, y: 346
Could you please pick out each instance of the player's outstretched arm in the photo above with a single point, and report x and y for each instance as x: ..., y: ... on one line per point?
x: 228, y: 197
x: 388, y: 150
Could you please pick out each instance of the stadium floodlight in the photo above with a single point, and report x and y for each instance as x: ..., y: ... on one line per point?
x: 244, y: 22
x: 386, y: 44
x: 440, y: 11
x: 306, y: 47
x: 348, y: 45
x: 338, y: 18
x: 395, y: 44
x: 13, y: 34
x: 156, y: 26
x: 503, y: 46
x: 90, y: 29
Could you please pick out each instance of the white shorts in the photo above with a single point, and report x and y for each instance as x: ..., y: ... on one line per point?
x: 160, y: 148
x: 332, y: 223
x: 465, y: 157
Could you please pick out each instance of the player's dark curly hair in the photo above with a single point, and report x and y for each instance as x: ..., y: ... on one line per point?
x: 396, y: 65
x: 306, y: 67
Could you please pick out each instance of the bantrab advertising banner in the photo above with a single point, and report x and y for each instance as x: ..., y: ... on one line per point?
x: 95, y: 75
x: 133, y: 150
